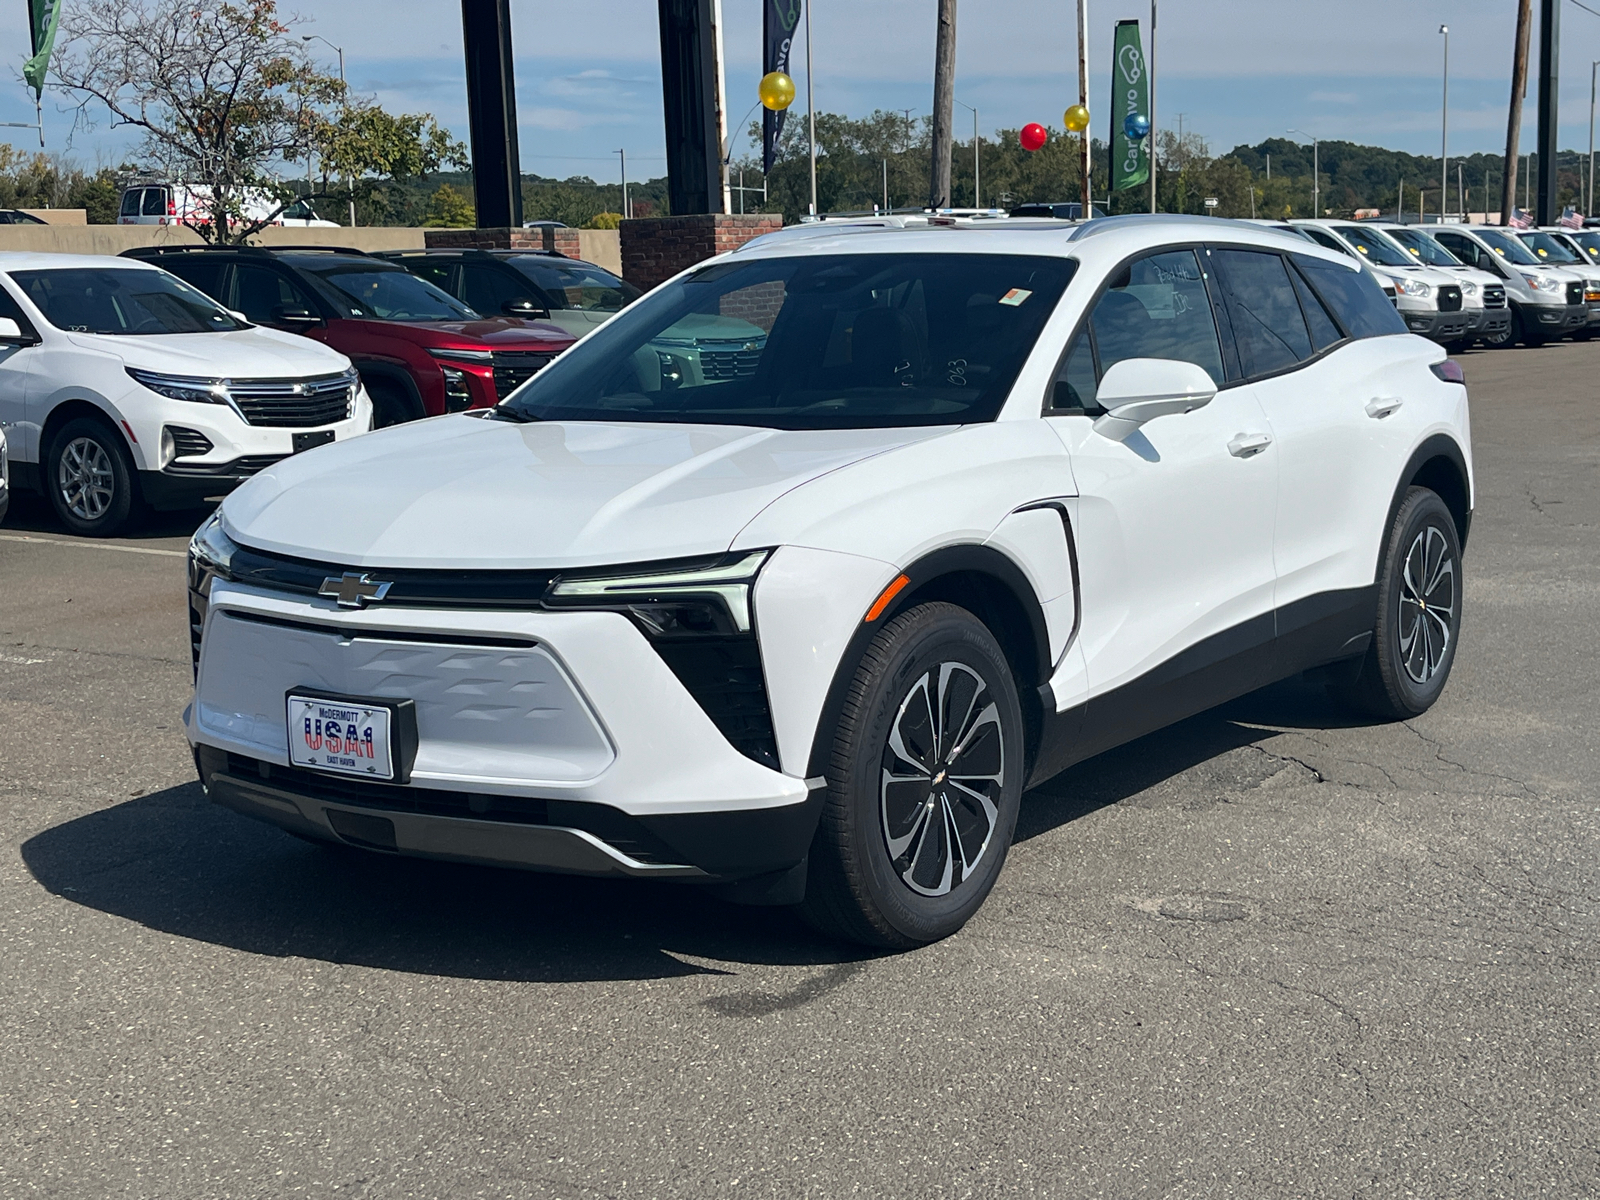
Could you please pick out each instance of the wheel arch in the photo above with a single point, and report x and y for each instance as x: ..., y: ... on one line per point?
x: 396, y: 376
x: 1439, y: 465
x: 71, y: 410
x: 988, y: 584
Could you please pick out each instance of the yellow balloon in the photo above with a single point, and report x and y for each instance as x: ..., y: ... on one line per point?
x: 1076, y: 118
x: 776, y: 91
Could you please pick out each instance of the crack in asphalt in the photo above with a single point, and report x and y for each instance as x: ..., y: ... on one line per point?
x: 1438, y: 753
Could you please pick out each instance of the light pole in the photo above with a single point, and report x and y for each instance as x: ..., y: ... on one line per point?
x: 1153, y: 107
x: 622, y: 157
x: 1588, y: 204
x: 976, y: 192
x: 811, y: 115
x: 339, y: 50
x: 1316, y: 173
x: 1444, y: 127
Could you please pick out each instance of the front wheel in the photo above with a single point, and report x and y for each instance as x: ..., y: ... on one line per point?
x: 89, y: 477
x: 1419, y: 613
x: 923, y: 786
x: 1526, y: 331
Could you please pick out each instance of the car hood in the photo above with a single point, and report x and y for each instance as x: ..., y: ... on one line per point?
x: 253, y: 353
x: 464, y: 492
x: 503, y: 333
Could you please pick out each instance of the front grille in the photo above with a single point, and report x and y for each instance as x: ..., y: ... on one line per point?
x: 724, y: 676
x: 294, y: 403
x: 734, y: 362
x: 1494, y: 296
x: 513, y: 368
x: 1574, y: 293
x: 611, y: 825
x: 189, y: 443
x: 1450, y: 298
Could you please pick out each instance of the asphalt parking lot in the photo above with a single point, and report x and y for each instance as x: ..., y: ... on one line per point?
x: 1266, y: 953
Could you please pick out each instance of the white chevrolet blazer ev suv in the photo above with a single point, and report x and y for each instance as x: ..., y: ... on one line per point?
x: 122, y: 387
x: 804, y: 622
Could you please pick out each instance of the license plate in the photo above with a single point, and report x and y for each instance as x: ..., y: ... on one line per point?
x: 346, y: 737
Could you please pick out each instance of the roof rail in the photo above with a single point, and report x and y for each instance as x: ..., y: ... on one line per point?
x: 324, y: 249
x: 202, y: 248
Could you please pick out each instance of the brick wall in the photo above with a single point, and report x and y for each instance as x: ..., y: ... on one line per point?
x: 654, y: 249
x: 563, y: 241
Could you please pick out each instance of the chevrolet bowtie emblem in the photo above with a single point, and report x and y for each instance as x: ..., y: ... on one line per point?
x: 352, y: 590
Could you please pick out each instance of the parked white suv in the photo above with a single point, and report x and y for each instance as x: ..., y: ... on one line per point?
x: 989, y: 501
x: 123, y: 386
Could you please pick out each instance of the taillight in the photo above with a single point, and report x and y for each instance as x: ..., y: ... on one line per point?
x: 172, y: 206
x: 1449, y: 370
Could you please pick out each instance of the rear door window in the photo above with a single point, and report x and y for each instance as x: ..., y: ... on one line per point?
x: 130, y: 202
x: 155, y: 202
x: 1268, y: 325
x: 206, y: 273
x: 1353, y: 297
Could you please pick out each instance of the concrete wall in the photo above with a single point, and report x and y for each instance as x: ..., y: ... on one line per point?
x: 59, y: 216
x: 114, y: 239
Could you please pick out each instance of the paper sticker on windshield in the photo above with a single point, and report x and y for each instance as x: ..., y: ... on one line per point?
x: 1015, y: 296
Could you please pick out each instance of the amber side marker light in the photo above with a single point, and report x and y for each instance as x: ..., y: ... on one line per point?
x: 888, y: 594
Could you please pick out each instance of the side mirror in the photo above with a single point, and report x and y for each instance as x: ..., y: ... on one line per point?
x: 526, y: 309
x: 1137, y: 390
x: 11, y: 332
x: 295, y: 316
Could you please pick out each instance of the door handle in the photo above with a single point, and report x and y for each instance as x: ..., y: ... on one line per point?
x: 1247, y: 445
x: 1380, y: 407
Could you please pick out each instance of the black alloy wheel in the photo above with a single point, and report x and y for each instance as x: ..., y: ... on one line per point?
x: 1419, y: 613
x: 923, y: 787
x: 89, y: 478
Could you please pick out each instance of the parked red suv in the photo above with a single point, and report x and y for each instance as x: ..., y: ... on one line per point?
x: 420, y: 351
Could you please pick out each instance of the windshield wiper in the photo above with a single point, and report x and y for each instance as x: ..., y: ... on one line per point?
x: 501, y: 413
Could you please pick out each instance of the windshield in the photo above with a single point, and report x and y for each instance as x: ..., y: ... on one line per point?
x: 842, y: 341
x: 1374, y: 247
x: 1506, y: 246
x: 570, y: 284
x: 1423, y: 248
x: 389, y: 293
x: 1547, y: 248
x: 1589, y: 241
x: 123, y: 300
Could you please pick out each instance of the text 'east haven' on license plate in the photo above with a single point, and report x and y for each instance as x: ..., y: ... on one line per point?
x: 352, y: 739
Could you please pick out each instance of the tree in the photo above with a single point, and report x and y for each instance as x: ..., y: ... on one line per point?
x: 450, y: 209
x: 227, y: 101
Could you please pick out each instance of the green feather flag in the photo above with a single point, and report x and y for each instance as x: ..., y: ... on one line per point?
x: 43, y: 17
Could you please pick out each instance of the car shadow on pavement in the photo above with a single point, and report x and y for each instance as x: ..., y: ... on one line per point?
x: 174, y: 862
x: 31, y: 513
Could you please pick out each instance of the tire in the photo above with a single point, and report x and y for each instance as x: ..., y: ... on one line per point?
x: 1520, y: 333
x: 1413, y: 647
x: 1503, y: 339
x: 90, y: 479
x: 391, y: 403
x: 1458, y: 346
x: 881, y: 870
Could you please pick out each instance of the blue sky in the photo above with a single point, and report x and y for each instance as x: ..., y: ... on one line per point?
x: 588, y: 76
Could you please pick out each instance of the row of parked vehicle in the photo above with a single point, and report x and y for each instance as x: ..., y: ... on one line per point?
x: 110, y: 403
x: 1465, y: 285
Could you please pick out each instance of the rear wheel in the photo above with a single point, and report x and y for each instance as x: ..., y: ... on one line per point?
x: 923, y: 786
x: 1419, y: 613
x: 89, y: 477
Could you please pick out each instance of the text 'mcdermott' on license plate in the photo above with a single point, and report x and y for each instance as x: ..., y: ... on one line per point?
x: 342, y: 736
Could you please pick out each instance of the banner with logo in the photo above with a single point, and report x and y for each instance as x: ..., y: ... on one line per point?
x: 43, y: 16
x: 1130, y: 93
x: 779, y: 20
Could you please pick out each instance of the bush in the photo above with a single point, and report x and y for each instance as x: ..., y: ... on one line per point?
x: 603, y: 220
x: 450, y: 209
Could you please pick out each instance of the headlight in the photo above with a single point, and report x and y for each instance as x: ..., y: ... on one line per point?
x: 457, y: 394
x: 687, y: 601
x: 193, y: 388
x: 211, y: 553
x: 1468, y: 288
x: 1543, y: 283
x: 1414, y: 287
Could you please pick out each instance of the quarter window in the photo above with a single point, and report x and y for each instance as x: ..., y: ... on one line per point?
x: 1353, y: 297
x: 1267, y: 322
x: 1324, y: 331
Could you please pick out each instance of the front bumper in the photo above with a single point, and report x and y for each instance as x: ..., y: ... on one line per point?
x: 187, y: 485
x: 1440, y: 326
x: 1556, y: 319
x: 550, y: 741
x: 1491, y: 321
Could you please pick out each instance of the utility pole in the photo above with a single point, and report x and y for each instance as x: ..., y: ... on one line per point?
x: 1549, y: 96
x: 811, y: 114
x: 1461, y: 190
x: 1153, y: 111
x: 944, y: 83
x: 1519, y: 89
x: 1444, y: 127
x: 1083, y: 99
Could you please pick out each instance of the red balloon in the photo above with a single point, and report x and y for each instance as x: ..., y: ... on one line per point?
x: 1033, y: 136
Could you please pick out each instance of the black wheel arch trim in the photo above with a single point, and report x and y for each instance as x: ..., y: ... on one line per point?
x: 969, y: 559
x: 1421, y: 471
x: 393, y: 373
